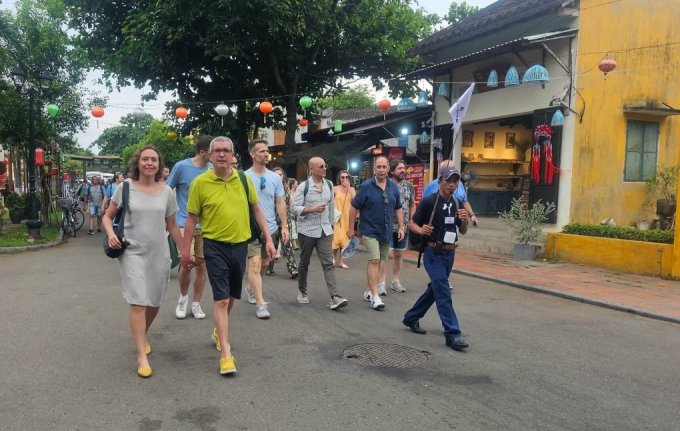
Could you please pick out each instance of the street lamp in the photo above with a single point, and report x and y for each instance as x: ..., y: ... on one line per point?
x: 20, y: 79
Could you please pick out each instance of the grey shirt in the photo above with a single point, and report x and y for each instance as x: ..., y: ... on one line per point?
x: 313, y: 224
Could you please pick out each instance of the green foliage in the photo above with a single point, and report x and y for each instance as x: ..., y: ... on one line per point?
x: 663, y: 184
x: 620, y: 232
x: 172, y: 150
x: 460, y: 11
x: 14, y: 201
x: 35, y: 39
x: 353, y: 98
x: 245, y: 51
x: 115, y: 139
x: 525, y: 223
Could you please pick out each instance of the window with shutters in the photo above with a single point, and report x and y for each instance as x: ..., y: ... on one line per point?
x: 642, y: 139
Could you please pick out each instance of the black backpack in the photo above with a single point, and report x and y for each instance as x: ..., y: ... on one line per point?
x: 255, y: 232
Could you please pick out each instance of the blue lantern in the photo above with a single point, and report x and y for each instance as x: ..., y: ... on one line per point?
x: 443, y: 89
x: 536, y: 74
x: 511, y: 77
x: 492, y: 81
x: 422, y: 100
x: 557, y: 119
x: 406, y: 105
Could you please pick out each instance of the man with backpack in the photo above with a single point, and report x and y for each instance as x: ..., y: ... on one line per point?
x: 94, y: 199
x: 313, y: 206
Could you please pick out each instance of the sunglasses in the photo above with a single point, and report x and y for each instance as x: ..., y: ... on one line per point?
x: 385, y: 198
x: 322, y: 166
x: 263, y: 182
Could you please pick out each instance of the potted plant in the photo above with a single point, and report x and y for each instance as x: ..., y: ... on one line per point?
x: 16, y: 206
x: 525, y: 226
x: 662, y: 188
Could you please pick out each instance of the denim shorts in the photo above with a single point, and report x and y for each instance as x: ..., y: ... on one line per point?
x: 397, y: 245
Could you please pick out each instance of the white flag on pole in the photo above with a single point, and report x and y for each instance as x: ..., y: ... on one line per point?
x: 459, y: 108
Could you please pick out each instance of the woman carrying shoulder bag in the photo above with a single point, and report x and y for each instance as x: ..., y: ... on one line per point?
x: 145, y: 264
x: 344, y: 193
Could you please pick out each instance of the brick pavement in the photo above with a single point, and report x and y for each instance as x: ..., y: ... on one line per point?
x: 643, y: 295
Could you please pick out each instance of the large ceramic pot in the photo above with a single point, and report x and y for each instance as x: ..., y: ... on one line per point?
x: 525, y: 251
x: 665, y: 207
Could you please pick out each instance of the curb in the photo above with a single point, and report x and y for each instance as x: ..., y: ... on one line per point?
x: 564, y: 295
x: 15, y: 250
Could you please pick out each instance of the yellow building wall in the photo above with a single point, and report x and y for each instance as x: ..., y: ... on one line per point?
x: 643, y: 36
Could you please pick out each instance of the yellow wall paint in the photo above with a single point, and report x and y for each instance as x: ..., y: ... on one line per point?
x: 620, y: 255
x: 499, y: 150
x: 644, y: 39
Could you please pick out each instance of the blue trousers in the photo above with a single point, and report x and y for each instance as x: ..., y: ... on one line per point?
x: 438, y: 264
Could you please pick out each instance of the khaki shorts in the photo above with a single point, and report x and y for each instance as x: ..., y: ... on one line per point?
x: 256, y: 248
x: 196, y: 244
x: 376, y: 250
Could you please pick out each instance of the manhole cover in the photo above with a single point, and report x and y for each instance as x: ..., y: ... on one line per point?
x: 385, y: 355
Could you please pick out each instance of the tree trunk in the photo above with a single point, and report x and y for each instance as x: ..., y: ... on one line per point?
x: 291, y: 122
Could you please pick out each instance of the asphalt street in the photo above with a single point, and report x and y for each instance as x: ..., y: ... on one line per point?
x: 535, y: 362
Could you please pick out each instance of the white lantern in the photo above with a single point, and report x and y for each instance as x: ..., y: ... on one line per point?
x: 222, y: 110
x: 139, y: 113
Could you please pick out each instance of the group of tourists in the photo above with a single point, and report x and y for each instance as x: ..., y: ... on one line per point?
x: 228, y: 224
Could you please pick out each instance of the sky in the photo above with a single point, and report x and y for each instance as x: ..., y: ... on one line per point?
x: 128, y: 99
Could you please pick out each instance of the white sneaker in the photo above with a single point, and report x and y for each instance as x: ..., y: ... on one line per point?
x: 196, y: 311
x: 182, y: 305
x: 302, y: 298
x: 367, y: 295
x: 450, y: 286
x: 250, y: 294
x: 377, y: 303
x: 381, y: 289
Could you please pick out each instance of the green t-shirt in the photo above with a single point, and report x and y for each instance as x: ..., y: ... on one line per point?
x: 221, y: 206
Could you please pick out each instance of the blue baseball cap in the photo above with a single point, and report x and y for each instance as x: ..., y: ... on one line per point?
x: 351, y: 248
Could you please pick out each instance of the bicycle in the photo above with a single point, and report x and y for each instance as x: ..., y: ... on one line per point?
x: 68, y: 225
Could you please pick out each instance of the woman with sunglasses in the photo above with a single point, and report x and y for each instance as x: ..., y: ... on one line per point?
x: 286, y: 247
x: 344, y: 193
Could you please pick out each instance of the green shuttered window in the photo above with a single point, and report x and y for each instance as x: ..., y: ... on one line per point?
x: 642, y: 138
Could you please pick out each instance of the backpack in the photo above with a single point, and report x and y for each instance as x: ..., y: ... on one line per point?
x: 89, y: 191
x: 255, y: 232
x: 330, y: 187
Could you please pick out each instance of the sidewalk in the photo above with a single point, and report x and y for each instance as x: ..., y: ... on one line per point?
x: 642, y: 295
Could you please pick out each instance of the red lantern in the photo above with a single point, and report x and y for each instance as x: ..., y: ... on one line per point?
x: 66, y: 176
x: 181, y: 112
x: 303, y: 122
x: 266, y: 108
x: 97, y: 112
x: 384, y: 106
x: 607, y: 65
x: 39, y: 157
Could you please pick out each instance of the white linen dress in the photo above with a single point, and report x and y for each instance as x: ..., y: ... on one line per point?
x: 145, y: 265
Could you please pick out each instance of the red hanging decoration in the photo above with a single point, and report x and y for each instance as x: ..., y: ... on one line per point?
x: 549, y: 167
x: 266, y: 107
x: 607, y: 65
x: 303, y: 122
x: 384, y: 106
x: 97, y: 112
x: 536, y: 163
x: 181, y: 112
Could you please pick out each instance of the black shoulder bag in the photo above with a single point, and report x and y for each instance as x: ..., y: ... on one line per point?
x: 119, y: 226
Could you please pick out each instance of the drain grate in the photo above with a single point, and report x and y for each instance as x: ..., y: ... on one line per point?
x: 385, y: 355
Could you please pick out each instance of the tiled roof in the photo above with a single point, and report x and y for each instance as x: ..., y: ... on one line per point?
x: 493, y: 17
x: 350, y: 115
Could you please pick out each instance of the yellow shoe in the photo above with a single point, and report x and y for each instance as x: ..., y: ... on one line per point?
x: 144, y: 372
x: 147, y: 349
x: 216, y: 339
x: 227, y: 365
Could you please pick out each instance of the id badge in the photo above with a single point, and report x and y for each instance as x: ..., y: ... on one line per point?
x: 449, y: 220
x: 450, y: 237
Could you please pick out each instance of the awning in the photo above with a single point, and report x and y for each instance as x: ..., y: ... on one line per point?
x: 644, y: 108
x: 335, y: 154
x: 415, y: 114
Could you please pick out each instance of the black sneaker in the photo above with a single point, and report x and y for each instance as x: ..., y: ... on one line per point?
x: 90, y: 232
x: 457, y: 343
x: 99, y: 230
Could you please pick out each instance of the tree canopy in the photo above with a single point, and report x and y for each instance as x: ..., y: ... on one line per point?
x: 34, y: 39
x: 242, y: 52
x: 114, y: 140
x: 459, y: 11
x: 353, y: 98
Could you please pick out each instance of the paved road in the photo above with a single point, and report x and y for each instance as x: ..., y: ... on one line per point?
x: 535, y: 361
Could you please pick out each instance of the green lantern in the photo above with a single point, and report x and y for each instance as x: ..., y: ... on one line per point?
x: 305, y: 102
x: 337, y: 126
x: 53, y: 110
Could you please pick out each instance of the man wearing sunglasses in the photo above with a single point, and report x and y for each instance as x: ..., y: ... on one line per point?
x: 378, y: 201
x: 439, y: 219
x: 272, y: 201
x: 313, y: 205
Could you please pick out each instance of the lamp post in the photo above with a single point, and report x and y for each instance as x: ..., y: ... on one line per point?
x: 20, y: 82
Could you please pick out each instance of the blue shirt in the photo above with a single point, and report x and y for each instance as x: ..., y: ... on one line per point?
x: 377, y: 215
x: 181, y: 176
x: 269, y: 187
x: 433, y: 186
x: 110, y: 190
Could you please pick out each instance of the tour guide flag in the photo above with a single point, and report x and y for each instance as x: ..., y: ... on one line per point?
x: 459, y: 108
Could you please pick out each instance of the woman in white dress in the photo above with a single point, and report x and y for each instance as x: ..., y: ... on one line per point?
x: 145, y: 264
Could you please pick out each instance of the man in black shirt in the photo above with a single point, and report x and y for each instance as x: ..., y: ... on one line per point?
x: 439, y: 219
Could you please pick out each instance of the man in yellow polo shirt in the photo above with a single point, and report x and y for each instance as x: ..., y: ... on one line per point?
x: 218, y: 200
